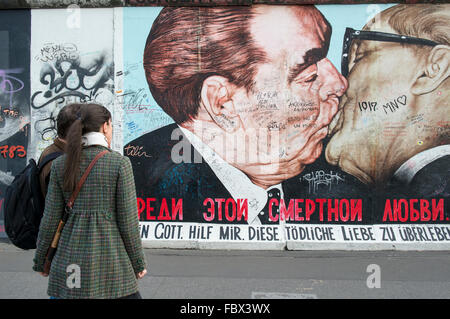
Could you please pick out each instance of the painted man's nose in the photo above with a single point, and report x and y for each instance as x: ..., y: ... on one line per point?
x: 334, y: 83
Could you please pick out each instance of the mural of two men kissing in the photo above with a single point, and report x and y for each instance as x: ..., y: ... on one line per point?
x: 252, y: 93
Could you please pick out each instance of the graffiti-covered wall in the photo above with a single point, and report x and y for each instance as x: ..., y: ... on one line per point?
x: 15, y: 92
x: 71, y: 63
x: 256, y: 127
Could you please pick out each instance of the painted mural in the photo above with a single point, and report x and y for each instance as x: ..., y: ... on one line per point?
x: 259, y: 127
x: 290, y: 126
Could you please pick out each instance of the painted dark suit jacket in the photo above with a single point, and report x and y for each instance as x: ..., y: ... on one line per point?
x: 431, y: 182
x: 157, y: 176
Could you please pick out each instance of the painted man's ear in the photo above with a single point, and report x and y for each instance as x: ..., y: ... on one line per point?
x: 215, y: 97
x: 437, y: 70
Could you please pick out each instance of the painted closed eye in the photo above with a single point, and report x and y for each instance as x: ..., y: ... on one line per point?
x: 308, y: 76
x: 358, y: 57
x: 311, y: 78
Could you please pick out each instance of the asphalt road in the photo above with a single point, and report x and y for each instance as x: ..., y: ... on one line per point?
x: 189, y: 274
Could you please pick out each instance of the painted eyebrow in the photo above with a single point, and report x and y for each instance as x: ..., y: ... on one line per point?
x: 311, y: 57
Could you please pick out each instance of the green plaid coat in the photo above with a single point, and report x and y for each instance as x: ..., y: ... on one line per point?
x: 101, y: 237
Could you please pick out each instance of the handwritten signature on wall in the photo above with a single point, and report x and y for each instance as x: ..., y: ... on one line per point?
x: 55, y: 52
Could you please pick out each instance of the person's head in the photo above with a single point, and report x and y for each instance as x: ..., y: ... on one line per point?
x: 65, y: 118
x: 259, y: 70
x: 398, y: 92
x: 90, y: 117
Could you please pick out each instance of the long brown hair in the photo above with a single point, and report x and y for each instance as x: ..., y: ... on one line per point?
x: 89, y: 118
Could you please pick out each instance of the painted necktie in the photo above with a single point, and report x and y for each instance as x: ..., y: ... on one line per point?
x: 264, y: 216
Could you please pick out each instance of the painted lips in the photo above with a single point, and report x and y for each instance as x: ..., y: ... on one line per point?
x: 336, y: 122
x: 338, y: 119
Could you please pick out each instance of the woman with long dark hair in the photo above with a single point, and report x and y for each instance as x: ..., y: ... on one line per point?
x: 100, y: 253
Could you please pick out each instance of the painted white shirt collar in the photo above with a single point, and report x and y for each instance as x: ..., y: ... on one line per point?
x: 235, y: 181
x: 409, y: 169
x: 94, y: 138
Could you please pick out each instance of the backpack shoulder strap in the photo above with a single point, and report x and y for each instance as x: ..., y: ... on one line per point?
x: 50, y: 157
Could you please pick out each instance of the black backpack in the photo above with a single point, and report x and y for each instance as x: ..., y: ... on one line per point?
x: 24, y: 205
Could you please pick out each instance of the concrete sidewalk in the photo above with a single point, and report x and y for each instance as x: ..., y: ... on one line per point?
x: 207, y: 274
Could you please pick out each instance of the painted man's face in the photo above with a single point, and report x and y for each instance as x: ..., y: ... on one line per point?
x: 374, y: 110
x: 295, y: 93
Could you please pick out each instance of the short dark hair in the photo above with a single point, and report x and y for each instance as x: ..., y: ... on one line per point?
x: 65, y: 118
x: 187, y: 45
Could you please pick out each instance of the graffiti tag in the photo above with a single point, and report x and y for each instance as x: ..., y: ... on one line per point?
x: 58, y: 52
x: 393, y: 105
x: 12, y: 151
x: 10, y: 84
x: 66, y: 79
x: 317, y: 178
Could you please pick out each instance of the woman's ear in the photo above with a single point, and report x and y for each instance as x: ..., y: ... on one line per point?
x: 216, y: 99
x: 435, y: 72
x: 105, y: 127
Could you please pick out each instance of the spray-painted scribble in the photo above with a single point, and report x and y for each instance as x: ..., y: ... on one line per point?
x: 47, y: 126
x: 68, y: 78
x: 13, y: 117
x: 12, y: 151
x: 10, y: 84
x: 136, y: 101
x: 58, y: 52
